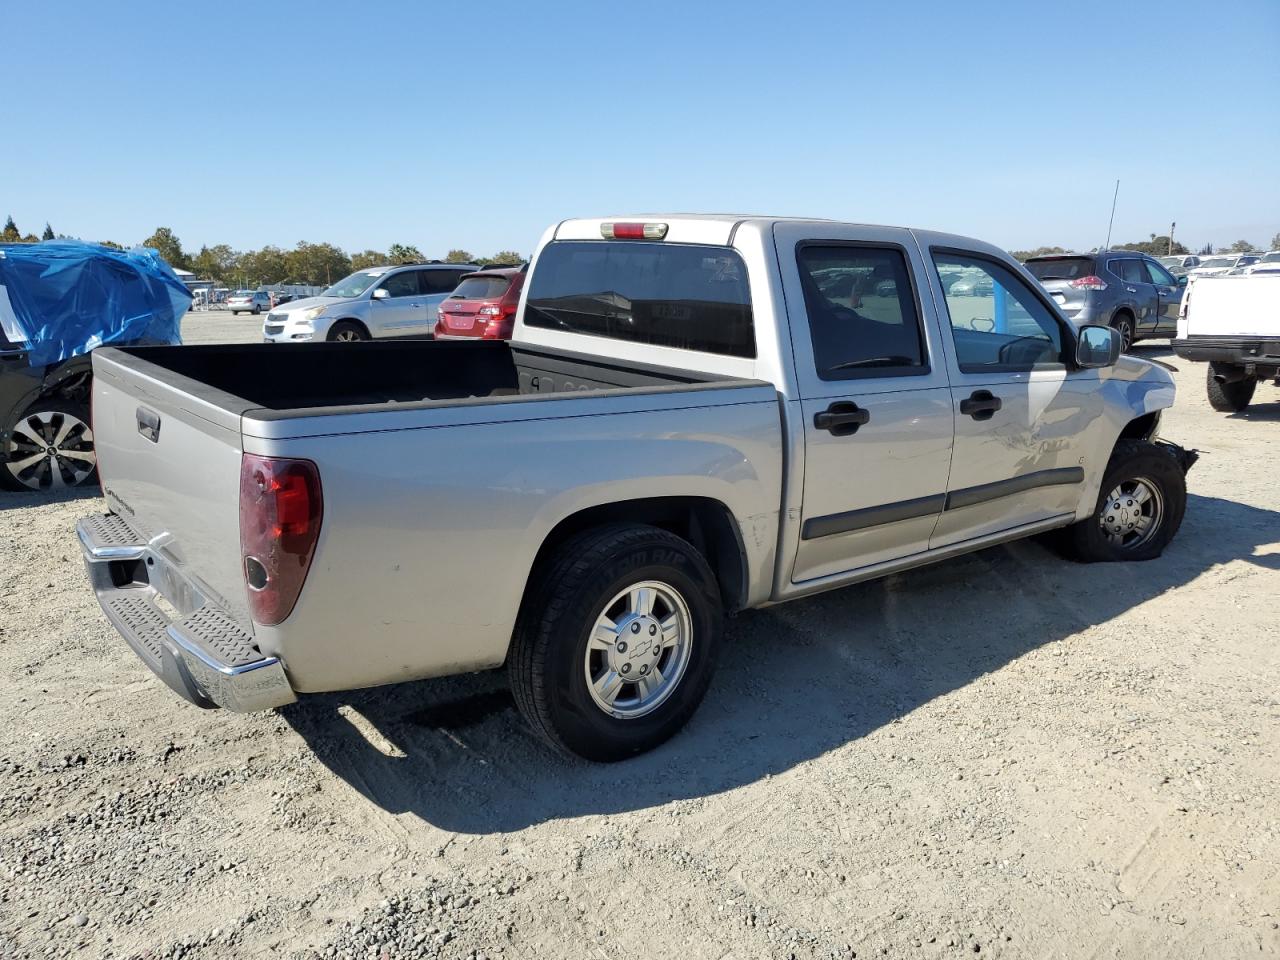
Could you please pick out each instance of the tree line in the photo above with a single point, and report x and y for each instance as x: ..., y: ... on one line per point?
x: 312, y: 264
x: 1159, y: 246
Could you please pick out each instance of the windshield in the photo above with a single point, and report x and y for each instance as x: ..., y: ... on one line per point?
x: 244, y: 293
x: 354, y: 285
x: 1061, y: 268
x: 1171, y: 261
x: 1273, y: 257
x: 1219, y: 262
x: 481, y: 288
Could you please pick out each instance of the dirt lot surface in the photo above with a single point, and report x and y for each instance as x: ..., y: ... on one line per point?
x: 1005, y: 755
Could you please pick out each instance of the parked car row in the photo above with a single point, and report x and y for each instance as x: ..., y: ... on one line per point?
x: 404, y: 300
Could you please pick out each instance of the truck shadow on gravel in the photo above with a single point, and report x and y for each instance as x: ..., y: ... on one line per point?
x: 21, y: 499
x: 794, y: 682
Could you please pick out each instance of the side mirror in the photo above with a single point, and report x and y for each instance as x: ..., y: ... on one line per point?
x: 381, y: 294
x: 1097, y: 346
x: 1182, y: 280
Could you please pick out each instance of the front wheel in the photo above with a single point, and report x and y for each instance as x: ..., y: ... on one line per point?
x: 347, y: 332
x: 1229, y: 397
x: 617, y: 642
x: 1139, y: 509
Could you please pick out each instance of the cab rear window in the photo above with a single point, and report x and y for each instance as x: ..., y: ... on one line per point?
x: 687, y: 296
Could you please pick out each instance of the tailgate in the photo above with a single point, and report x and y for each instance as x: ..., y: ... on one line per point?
x: 169, y: 459
x: 1247, y: 306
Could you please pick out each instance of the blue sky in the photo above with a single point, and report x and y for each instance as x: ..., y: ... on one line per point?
x: 368, y: 124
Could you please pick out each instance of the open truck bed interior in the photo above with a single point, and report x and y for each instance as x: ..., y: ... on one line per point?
x: 335, y: 377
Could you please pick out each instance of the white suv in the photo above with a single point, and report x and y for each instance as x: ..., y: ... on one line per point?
x: 377, y: 303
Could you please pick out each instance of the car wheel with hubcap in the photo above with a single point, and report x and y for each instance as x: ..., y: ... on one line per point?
x: 1140, y: 506
x: 347, y: 332
x: 49, y: 447
x: 616, y: 642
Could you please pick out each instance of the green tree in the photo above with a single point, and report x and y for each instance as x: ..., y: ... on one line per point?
x: 215, y: 263
x: 366, y: 259
x: 1206, y: 250
x: 169, y: 247
x: 30, y: 238
x: 404, y: 253
x: 317, y: 263
x: 1157, y: 246
x: 111, y: 244
x: 1025, y: 255
x: 1275, y: 242
x: 10, y: 233
x: 268, y: 265
x: 503, y: 258
x: 1241, y: 246
x: 459, y: 256
x: 48, y: 232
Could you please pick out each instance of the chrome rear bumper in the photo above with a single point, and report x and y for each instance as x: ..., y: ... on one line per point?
x: 199, y: 651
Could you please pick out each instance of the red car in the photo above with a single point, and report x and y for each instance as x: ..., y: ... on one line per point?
x: 483, y: 305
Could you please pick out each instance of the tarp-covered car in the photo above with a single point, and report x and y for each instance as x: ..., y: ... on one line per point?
x: 58, y: 301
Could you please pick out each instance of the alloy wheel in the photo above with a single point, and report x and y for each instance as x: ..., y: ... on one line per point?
x: 1132, y: 513
x: 638, y: 650
x: 49, y: 450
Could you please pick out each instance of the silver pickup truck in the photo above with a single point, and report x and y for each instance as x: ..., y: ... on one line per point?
x: 696, y: 415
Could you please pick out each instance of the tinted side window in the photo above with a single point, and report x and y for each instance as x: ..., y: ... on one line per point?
x: 998, y: 323
x: 1159, y: 274
x: 1130, y: 271
x: 401, y: 284
x: 688, y: 296
x: 439, y: 281
x: 862, y: 311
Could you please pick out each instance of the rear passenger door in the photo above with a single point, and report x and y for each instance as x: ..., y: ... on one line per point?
x: 1140, y: 291
x: 873, y: 394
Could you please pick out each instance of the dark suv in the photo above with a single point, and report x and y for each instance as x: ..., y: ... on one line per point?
x: 1129, y: 291
x: 45, y: 438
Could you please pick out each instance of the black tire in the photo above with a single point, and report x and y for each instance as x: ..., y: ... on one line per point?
x: 1229, y: 397
x: 549, y: 658
x: 1124, y: 325
x: 1131, y: 462
x: 39, y: 476
x: 235, y: 313
x: 347, y: 331
x: 256, y: 310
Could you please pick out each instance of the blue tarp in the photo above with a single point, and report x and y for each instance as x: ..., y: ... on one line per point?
x: 64, y: 297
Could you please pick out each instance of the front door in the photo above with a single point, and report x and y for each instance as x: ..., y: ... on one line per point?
x: 873, y: 395
x: 1023, y: 416
x: 403, y: 312
x: 1169, y: 294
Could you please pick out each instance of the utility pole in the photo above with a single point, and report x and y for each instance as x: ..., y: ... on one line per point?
x: 1171, y: 227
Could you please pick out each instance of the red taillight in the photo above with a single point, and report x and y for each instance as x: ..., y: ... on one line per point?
x: 502, y: 321
x: 280, y: 512
x: 1089, y: 283
x: 633, y: 231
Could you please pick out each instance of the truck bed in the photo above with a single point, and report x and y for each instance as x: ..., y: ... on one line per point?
x: 340, y: 378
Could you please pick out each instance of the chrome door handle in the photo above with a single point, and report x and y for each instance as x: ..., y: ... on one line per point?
x: 1131, y: 289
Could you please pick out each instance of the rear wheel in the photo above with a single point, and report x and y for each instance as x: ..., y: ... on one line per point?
x: 617, y: 642
x: 347, y: 332
x: 1139, y: 509
x: 256, y: 310
x: 1123, y: 324
x: 1229, y: 397
x: 49, y: 447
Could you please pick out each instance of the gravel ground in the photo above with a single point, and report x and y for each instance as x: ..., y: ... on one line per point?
x: 1004, y: 755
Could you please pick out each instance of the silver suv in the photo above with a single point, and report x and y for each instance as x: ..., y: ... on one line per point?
x: 1129, y: 291
x: 381, y: 302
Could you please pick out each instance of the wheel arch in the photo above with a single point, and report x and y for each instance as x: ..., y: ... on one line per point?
x: 354, y: 321
x: 705, y: 522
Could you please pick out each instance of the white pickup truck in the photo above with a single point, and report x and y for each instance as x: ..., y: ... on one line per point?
x: 696, y: 415
x: 1233, y: 322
